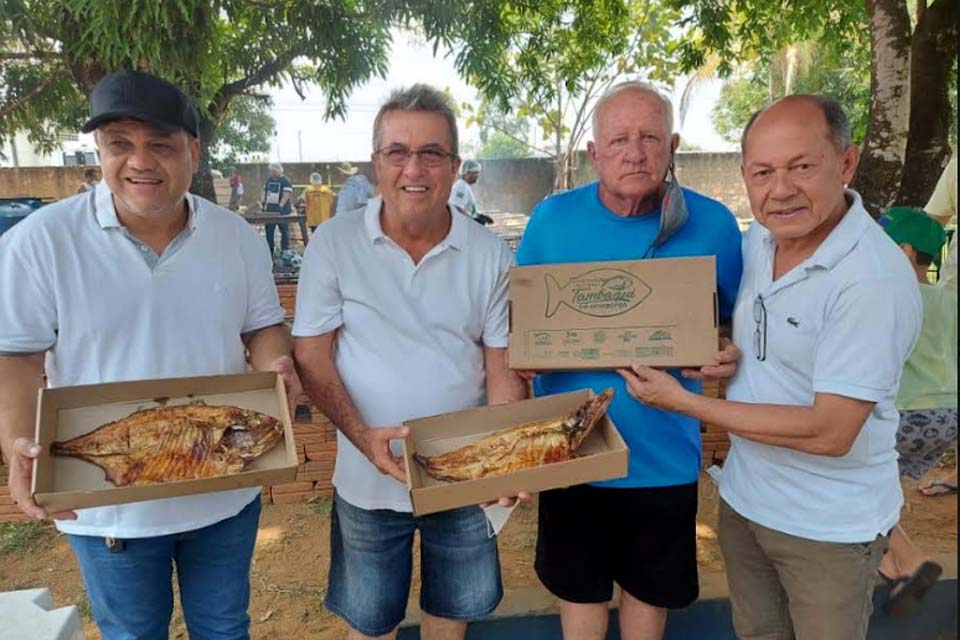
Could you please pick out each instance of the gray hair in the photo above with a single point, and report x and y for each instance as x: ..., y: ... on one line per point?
x: 838, y: 126
x: 419, y: 97
x: 316, y: 178
x: 632, y: 85
x: 275, y: 165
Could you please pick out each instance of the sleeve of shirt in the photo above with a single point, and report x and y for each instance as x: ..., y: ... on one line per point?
x: 729, y: 265
x: 319, y: 299
x: 28, y: 313
x: 263, y: 301
x: 869, y: 332
x: 496, y: 326
x: 287, y: 185
x: 345, y: 199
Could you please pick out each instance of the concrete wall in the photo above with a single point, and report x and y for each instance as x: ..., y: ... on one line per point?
x: 514, y: 186
x: 47, y: 183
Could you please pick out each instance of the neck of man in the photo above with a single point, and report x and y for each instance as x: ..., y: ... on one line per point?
x: 156, y: 231
x: 416, y: 234
x: 632, y: 207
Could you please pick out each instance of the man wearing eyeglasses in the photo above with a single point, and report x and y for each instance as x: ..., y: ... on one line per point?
x: 827, y: 313
x: 402, y: 313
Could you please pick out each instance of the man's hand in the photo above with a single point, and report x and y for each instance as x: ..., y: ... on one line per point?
x: 376, y: 446
x: 527, y: 374
x: 509, y: 501
x: 725, y: 364
x: 21, y: 470
x: 654, y: 388
x: 291, y: 381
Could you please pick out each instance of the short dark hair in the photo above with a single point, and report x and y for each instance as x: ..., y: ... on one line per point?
x: 89, y: 173
x: 838, y: 125
x: 419, y: 97
x: 923, y: 259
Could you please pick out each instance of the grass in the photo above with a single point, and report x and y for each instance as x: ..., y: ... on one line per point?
x: 321, y: 505
x: 16, y: 537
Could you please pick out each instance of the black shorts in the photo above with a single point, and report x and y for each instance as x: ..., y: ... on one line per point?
x: 645, y: 540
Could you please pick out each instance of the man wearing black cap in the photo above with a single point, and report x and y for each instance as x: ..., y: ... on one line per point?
x: 141, y: 280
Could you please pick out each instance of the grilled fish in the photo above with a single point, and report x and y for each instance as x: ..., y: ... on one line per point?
x: 520, y: 447
x: 180, y: 442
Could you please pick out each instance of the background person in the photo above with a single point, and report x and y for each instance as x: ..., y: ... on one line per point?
x: 277, y: 192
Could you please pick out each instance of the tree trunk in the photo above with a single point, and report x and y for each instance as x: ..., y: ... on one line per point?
x: 202, y: 184
x: 881, y: 168
x: 933, y: 58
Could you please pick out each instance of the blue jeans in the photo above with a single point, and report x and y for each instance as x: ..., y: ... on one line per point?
x: 371, y: 561
x: 130, y: 590
x: 284, y: 236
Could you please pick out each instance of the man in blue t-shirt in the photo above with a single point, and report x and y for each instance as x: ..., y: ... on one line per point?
x: 277, y: 191
x: 638, y: 531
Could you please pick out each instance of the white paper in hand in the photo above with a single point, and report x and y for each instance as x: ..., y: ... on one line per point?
x: 497, y: 516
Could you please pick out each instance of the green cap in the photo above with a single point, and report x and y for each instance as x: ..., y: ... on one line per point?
x: 914, y: 227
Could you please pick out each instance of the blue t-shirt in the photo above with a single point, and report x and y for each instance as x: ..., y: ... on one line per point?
x: 575, y: 226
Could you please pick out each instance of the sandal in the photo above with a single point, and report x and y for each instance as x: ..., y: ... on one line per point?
x: 938, y: 489
x: 906, y: 592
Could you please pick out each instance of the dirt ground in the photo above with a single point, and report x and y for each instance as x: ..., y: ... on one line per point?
x: 290, y: 564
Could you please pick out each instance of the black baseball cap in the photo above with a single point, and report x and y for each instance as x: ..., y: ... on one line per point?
x: 140, y: 96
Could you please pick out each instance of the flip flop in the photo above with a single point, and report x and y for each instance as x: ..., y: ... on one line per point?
x: 906, y: 592
x: 939, y: 489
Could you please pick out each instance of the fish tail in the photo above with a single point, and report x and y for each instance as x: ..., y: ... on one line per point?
x: 554, y: 295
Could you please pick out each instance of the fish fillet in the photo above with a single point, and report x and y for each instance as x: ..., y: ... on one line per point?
x: 180, y: 442
x: 520, y: 447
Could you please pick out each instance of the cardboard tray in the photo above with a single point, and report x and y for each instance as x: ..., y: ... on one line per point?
x: 607, y: 315
x: 604, y: 454
x: 62, y: 483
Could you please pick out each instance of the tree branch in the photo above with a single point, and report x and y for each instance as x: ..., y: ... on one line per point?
x: 520, y: 140
x: 37, y: 90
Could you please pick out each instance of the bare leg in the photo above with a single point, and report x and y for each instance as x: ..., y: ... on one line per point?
x: 639, y: 620
x: 433, y: 628
x: 584, y: 621
x: 903, y: 557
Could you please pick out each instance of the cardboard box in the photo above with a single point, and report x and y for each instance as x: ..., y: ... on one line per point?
x: 602, y: 456
x: 62, y: 483
x: 604, y: 315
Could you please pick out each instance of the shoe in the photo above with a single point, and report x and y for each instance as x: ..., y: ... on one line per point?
x: 906, y: 592
x: 938, y: 489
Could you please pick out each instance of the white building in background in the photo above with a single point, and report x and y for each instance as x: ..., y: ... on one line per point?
x: 73, y: 149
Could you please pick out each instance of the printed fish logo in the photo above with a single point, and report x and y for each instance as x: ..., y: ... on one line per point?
x: 601, y: 293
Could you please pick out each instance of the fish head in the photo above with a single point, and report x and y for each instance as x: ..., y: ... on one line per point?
x: 250, y: 433
x: 579, y: 424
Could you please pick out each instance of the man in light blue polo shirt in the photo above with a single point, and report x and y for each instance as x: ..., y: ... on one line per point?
x: 638, y: 531
x: 827, y: 313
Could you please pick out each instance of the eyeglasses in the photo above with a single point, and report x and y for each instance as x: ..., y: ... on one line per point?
x: 760, y: 330
x: 428, y: 157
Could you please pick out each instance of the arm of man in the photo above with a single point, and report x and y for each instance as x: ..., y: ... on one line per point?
x: 503, y: 384
x: 323, y: 384
x: 271, y: 349
x: 22, y: 378
x: 828, y: 427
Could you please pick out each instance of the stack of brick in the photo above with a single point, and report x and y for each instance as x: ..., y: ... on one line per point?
x: 715, y: 442
x: 316, y: 443
x: 9, y: 511
x: 288, y: 298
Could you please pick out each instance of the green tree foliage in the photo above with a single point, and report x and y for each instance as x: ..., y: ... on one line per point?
x: 813, y: 70
x: 246, y: 129
x: 502, y: 135
x: 53, y: 51
x: 559, y: 62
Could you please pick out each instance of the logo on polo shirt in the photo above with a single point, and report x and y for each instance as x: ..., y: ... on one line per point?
x: 601, y: 293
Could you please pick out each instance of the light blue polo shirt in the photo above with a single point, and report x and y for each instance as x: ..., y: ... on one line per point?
x: 843, y: 322
x: 575, y: 226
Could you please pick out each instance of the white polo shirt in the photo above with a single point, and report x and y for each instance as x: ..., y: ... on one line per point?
x: 411, y: 336
x: 74, y: 284
x: 843, y: 322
